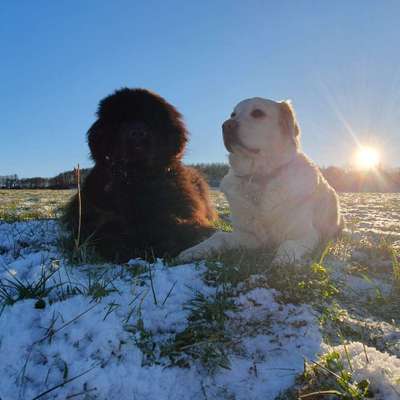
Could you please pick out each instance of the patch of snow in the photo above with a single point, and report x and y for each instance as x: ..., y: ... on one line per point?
x: 381, y: 369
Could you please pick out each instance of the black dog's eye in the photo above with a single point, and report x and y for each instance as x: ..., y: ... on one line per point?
x: 138, y: 134
x: 257, y: 113
x: 233, y: 115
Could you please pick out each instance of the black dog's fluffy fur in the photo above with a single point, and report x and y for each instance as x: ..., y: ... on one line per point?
x: 139, y: 199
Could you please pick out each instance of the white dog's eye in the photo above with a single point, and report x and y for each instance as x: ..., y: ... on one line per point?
x: 233, y: 115
x: 257, y: 113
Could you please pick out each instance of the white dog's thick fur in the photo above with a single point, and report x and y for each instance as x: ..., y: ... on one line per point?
x: 277, y: 196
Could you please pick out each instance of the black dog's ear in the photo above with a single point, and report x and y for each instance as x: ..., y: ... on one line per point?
x: 177, y: 140
x: 176, y: 133
x: 96, y: 140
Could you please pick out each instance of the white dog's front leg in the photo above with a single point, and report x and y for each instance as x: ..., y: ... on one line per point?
x: 291, y: 251
x: 217, y: 242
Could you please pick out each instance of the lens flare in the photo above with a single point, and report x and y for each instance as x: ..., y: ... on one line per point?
x: 367, y: 158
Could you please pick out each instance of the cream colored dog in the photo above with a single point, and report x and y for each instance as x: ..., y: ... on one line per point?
x: 277, y: 196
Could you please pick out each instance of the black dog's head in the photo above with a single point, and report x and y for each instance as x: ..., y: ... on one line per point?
x: 137, y: 129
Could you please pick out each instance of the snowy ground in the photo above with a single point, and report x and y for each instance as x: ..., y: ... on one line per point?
x: 152, y: 331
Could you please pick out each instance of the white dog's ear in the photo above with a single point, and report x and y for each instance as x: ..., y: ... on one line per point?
x: 287, y: 119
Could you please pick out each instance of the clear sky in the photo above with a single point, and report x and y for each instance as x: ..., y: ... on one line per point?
x: 339, y: 62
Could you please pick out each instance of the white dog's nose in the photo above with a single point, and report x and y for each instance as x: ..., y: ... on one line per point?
x: 229, y: 126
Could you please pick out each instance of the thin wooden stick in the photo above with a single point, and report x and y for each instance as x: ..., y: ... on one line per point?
x: 78, y: 182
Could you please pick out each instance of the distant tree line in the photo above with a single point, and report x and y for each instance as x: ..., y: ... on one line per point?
x: 65, y: 180
x: 212, y: 172
x: 342, y: 179
x: 353, y: 180
x: 8, y: 181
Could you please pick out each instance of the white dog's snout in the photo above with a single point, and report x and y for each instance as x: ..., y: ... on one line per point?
x: 230, y: 125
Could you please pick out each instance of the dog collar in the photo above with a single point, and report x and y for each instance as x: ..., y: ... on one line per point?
x: 123, y: 174
x: 264, y: 179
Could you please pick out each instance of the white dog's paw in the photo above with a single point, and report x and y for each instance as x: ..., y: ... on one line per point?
x: 185, y: 256
x: 204, y: 249
x: 190, y: 254
x: 289, y: 252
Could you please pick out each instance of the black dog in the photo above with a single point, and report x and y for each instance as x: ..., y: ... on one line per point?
x: 139, y: 199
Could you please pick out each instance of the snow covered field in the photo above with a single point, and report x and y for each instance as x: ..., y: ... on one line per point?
x: 231, y: 328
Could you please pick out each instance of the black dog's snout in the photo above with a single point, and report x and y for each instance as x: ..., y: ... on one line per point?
x: 133, y: 138
x: 136, y: 131
x: 230, y: 126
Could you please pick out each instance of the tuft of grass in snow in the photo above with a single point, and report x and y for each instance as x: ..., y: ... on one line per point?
x: 13, y: 289
x: 78, y: 254
x: 351, y: 371
x: 330, y: 376
x: 97, y: 286
x: 205, y: 338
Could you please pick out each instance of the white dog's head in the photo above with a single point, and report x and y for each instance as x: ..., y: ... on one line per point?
x: 261, y: 129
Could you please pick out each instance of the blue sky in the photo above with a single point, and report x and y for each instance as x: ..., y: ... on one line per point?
x: 338, y: 62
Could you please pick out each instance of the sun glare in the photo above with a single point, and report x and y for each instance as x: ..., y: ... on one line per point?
x: 367, y: 158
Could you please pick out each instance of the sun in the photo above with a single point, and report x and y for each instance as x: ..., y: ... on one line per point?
x: 367, y: 158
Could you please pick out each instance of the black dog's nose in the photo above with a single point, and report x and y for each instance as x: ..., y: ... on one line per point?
x: 137, y: 134
x: 229, y: 126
